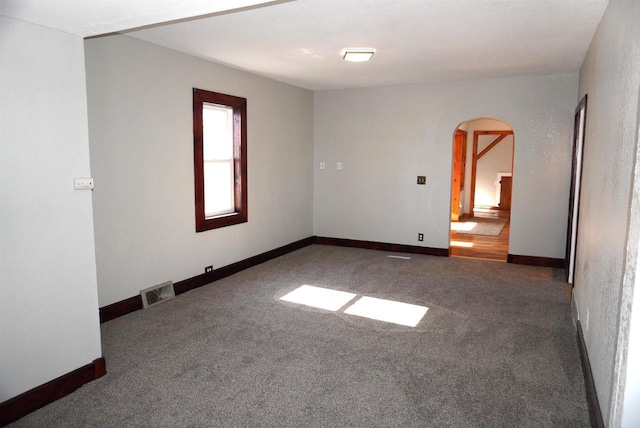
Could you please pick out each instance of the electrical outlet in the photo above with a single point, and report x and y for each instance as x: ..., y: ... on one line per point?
x: 208, y: 269
x: 421, y: 237
x: 422, y: 179
x: 83, y: 183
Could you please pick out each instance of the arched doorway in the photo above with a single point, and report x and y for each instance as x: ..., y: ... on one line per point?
x: 482, y: 173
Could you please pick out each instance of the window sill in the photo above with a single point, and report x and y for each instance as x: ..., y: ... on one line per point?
x: 222, y: 220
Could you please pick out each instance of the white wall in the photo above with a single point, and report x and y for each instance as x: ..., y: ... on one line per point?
x: 499, y: 159
x: 627, y: 388
x: 385, y: 137
x: 141, y: 134
x: 48, y: 299
x: 608, y: 235
x: 631, y: 408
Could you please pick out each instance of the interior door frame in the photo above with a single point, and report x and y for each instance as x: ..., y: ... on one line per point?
x: 579, y: 127
x: 458, y: 172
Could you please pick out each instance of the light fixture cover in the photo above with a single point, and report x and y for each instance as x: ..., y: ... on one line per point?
x: 358, y: 55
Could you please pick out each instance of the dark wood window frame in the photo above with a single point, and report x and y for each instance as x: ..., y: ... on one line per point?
x: 239, y: 106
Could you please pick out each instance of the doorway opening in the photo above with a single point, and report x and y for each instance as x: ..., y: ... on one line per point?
x: 481, y: 190
x: 579, y: 127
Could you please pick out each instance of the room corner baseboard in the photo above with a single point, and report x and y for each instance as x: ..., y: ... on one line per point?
x: 120, y: 308
x: 381, y: 246
x: 134, y: 303
x: 535, y: 261
x: 595, y: 415
x: 27, y: 402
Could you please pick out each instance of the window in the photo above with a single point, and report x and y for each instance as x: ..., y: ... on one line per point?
x: 220, y: 159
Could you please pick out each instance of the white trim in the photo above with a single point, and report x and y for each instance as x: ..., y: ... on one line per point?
x: 576, y: 194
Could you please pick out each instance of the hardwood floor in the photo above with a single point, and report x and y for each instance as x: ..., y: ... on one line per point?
x: 481, y: 246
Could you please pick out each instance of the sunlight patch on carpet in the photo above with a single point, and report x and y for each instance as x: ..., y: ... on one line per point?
x: 463, y: 226
x: 405, y: 314
x: 386, y: 310
x: 318, y: 297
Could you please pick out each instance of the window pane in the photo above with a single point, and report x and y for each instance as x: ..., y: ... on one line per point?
x: 217, y: 132
x: 218, y: 188
x: 220, y: 159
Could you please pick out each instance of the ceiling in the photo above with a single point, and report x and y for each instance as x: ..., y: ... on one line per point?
x: 93, y: 17
x: 301, y: 41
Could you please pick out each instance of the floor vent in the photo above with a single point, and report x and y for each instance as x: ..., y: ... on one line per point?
x: 157, y: 294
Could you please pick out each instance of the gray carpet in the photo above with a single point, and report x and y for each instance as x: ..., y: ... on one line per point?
x: 484, y: 226
x: 495, y: 349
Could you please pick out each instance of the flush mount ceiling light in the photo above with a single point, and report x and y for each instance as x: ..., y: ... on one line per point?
x: 358, y: 55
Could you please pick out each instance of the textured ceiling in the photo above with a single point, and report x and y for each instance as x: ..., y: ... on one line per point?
x: 301, y: 41
x: 93, y: 17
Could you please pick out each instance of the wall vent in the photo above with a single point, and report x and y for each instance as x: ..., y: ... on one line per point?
x: 157, y: 294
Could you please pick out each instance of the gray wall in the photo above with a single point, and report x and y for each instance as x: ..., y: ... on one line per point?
x: 48, y: 298
x: 387, y: 136
x: 608, y: 235
x: 141, y: 134
x: 629, y: 385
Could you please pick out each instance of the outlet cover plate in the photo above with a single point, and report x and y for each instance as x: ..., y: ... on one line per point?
x: 83, y: 183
